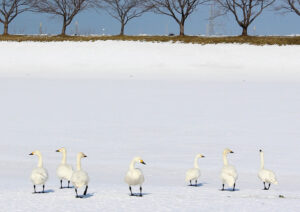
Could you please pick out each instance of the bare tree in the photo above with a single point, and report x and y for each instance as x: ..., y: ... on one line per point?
x: 244, y: 11
x: 67, y: 9
x: 291, y: 6
x: 124, y: 10
x: 179, y: 10
x: 9, y: 10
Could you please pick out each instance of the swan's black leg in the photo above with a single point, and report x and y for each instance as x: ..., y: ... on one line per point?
x: 269, y: 186
x: 223, y: 187
x: 190, y: 182
x: 131, y: 194
x: 43, y: 188
x: 233, y: 189
x: 141, y: 191
x: 265, y: 188
x: 68, y: 183
x: 85, y: 191
x: 34, y: 188
x: 76, y: 193
x: 61, y: 184
x: 196, y: 183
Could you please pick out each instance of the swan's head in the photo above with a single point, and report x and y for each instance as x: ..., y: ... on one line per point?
x: 139, y: 160
x: 227, y: 151
x: 36, y: 152
x: 200, y: 156
x: 81, y: 155
x: 63, y: 149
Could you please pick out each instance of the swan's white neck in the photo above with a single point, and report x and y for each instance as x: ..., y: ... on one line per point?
x: 64, y: 160
x: 225, y: 160
x: 196, y: 162
x: 40, y: 163
x: 132, y: 164
x: 262, y: 160
x: 78, y: 163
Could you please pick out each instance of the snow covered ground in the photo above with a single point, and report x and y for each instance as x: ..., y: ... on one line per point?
x: 164, y: 102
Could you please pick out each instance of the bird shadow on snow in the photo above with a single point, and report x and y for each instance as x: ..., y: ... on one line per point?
x: 86, y: 196
x: 45, y: 192
x: 197, y: 185
x: 138, y: 194
x: 229, y: 189
x: 70, y: 187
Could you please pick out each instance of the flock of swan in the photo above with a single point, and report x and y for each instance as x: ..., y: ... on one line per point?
x: 135, y: 177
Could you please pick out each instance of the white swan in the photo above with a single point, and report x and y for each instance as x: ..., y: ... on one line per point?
x: 228, y: 174
x: 134, y: 176
x: 265, y: 175
x: 79, y: 177
x: 194, y: 173
x: 64, y: 171
x: 39, y: 175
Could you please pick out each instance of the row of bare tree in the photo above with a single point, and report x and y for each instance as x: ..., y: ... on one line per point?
x: 244, y: 11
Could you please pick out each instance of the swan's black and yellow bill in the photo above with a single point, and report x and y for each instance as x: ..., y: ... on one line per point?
x: 231, y: 152
x: 142, y: 162
x: 84, y: 156
x: 57, y: 150
x: 203, y: 156
x: 31, y: 153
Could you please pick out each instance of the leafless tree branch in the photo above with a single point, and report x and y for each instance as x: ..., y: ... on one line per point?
x: 67, y: 9
x: 124, y: 10
x: 244, y: 11
x: 9, y: 10
x: 179, y: 10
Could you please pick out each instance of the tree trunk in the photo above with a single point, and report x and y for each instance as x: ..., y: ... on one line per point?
x: 245, y: 32
x: 5, y: 30
x: 122, y: 29
x: 181, y: 25
x: 64, y: 27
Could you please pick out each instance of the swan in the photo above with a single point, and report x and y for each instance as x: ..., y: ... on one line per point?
x: 265, y: 175
x: 194, y: 173
x: 64, y: 171
x: 134, y: 176
x: 79, y: 177
x: 39, y: 175
x: 228, y: 174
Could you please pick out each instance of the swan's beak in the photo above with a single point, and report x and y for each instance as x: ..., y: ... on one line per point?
x: 31, y: 153
x: 231, y: 152
x: 203, y: 156
x: 84, y: 156
x: 142, y: 162
x: 57, y: 150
